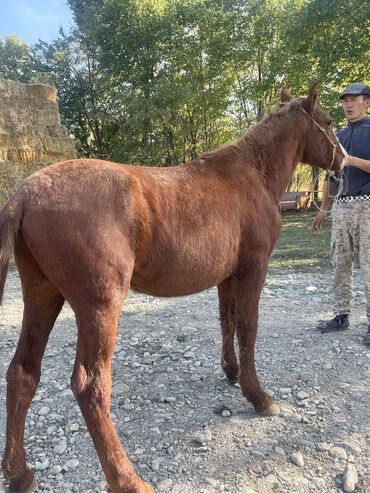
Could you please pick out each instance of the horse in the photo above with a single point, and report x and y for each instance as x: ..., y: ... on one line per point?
x: 86, y: 231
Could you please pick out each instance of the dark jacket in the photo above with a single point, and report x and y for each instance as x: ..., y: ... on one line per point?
x: 355, y: 138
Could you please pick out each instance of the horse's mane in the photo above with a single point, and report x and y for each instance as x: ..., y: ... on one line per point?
x: 254, y: 142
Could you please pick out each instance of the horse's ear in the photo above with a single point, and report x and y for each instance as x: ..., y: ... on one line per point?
x: 311, y: 99
x: 285, y: 95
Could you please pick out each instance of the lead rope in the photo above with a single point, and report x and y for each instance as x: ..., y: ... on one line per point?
x: 340, y: 189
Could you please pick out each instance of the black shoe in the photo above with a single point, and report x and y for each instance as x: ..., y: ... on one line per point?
x: 366, y: 339
x: 340, y: 322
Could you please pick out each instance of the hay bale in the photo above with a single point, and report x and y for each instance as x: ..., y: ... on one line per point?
x: 30, y: 132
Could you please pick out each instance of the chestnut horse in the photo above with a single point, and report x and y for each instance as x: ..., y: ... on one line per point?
x: 86, y: 231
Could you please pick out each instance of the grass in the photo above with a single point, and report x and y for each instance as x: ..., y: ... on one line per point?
x: 297, y: 248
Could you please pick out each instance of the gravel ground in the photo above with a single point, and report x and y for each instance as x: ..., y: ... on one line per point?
x: 185, y: 428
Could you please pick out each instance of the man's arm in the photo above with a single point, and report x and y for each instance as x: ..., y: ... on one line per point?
x: 325, y: 205
x: 357, y: 162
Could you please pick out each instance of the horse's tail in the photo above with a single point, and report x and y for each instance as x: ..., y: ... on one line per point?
x: 10, y: 221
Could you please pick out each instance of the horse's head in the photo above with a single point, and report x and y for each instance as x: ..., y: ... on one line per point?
x: 321, y: 146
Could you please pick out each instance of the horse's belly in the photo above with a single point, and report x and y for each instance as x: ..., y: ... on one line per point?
x: 170, y: 289
x: 172, y: 279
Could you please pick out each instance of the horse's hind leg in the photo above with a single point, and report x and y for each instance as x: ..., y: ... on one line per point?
x: 42, y: 304
x: 229, y: 361
x: 91, y: 384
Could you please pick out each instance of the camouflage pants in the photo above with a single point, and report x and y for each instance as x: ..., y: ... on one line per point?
x: 350, y: 237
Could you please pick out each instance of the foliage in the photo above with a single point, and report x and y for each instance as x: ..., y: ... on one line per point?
x: 160, y: 81
x: 329, y: 41
x: 167, y: 58
x: 16, y: 61
x: 90, y: 105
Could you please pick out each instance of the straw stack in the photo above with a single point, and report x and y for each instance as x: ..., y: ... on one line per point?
x: 31, y: 135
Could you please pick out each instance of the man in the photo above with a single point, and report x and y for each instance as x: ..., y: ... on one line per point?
x: 351, y: 209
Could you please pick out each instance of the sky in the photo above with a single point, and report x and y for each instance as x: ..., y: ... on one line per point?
x: 32, y: 20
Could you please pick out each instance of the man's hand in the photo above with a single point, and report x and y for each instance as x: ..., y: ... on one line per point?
x: 356, y: 162
x: 316, y: 225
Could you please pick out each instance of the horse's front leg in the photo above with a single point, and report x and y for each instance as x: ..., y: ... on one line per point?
x: 226, y: 298
x: 247, y: 294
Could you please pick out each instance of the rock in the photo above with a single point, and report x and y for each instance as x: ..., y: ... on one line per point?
x: 350, y: 478
x: 41, y: 466
x: 44, y: 411
x: 301, y: 395
x: 203, y: 437
x: 323, y: 447
x: 338, y: 453
x: 221, y: 408
x: 164, y: 485
x: 285, y: 390
x: 296, y: 418
x: 351, y: 447
x: 102, y: 486
x: 311, y: 289
x: 56, y: 470
x: 279, y: 451
x: 71, y: 463
x: 226, y: 413
x: 60, y: 448
x: 257, y: 469
x: 73, y: 427
x: 120, y: 388
x: 297, y: 459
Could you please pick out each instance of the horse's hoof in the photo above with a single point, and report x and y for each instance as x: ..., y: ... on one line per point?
x: 272, y: 410
x: 23, y: 484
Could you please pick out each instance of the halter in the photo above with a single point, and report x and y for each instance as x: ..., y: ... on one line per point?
x: 330, y: 172
x: 333, y: 144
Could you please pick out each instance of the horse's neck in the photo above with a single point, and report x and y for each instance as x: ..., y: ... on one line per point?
x: 282, y: 150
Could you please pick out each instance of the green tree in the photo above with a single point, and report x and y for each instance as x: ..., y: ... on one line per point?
x: 16, y: 59
x: 328, y: 41
x: 165, y: 54
x: 160, y: 81
x: 87, y: 99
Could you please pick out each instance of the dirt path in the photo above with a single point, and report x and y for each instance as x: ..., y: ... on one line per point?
x: 169, y: 390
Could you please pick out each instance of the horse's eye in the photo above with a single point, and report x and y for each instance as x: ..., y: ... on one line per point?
x: 329, y: 122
